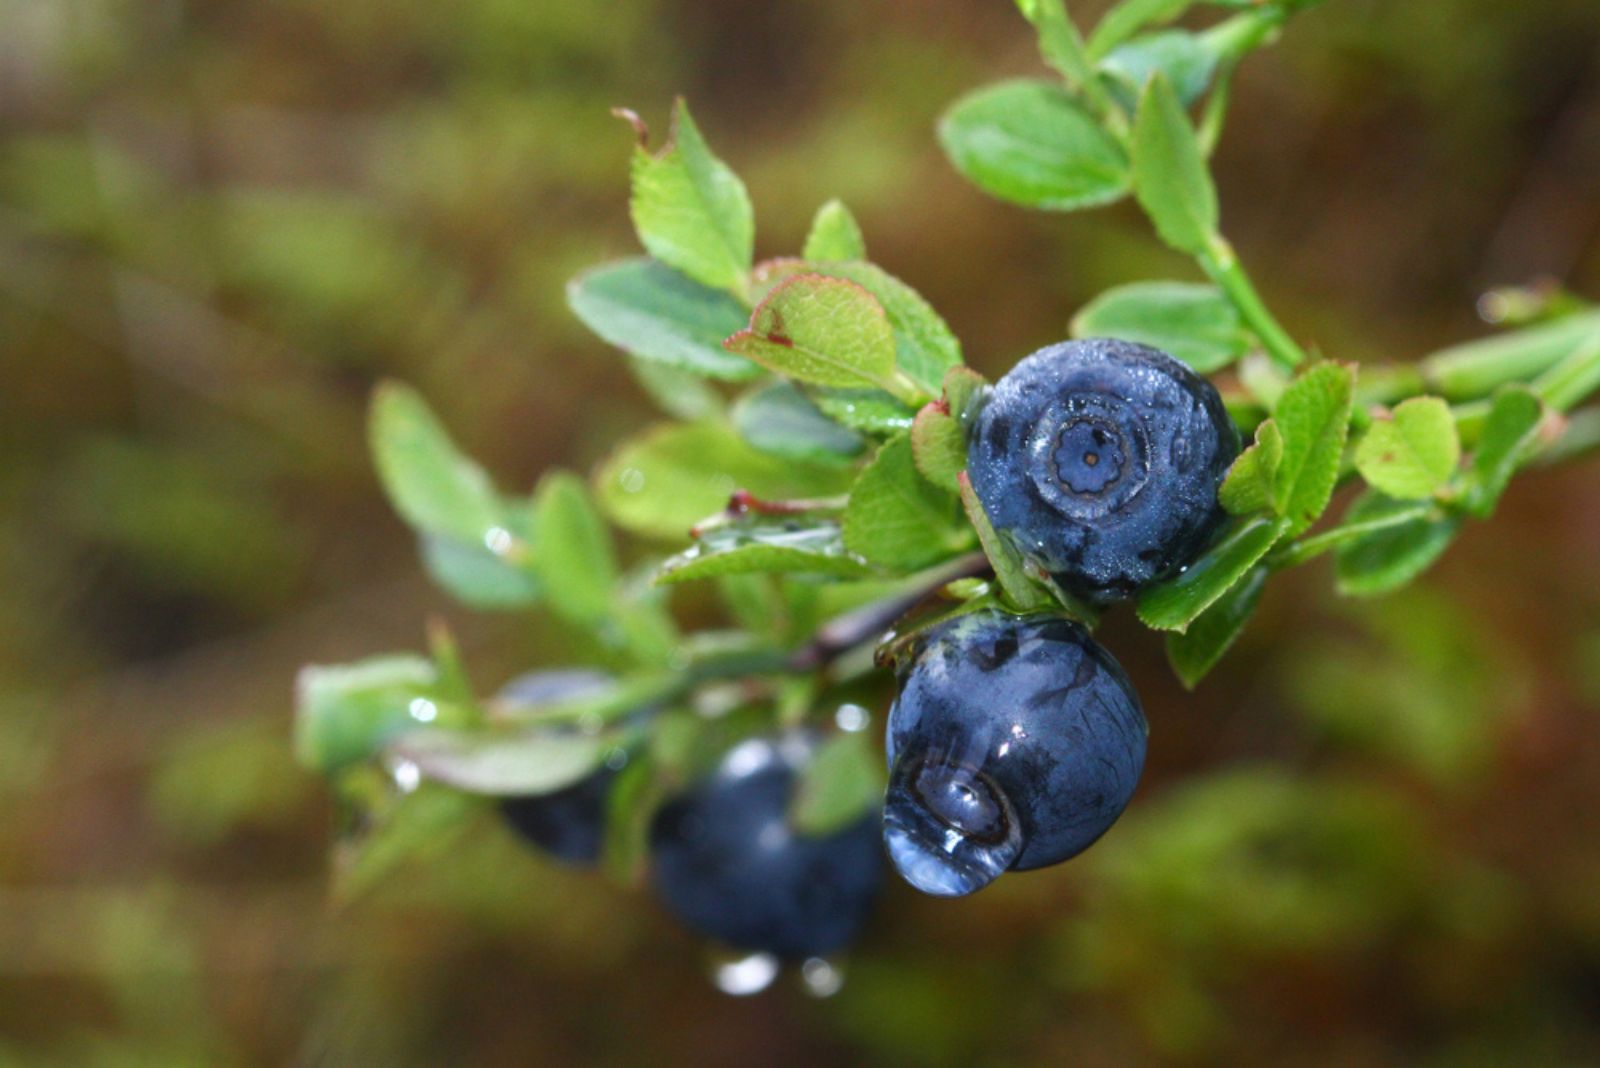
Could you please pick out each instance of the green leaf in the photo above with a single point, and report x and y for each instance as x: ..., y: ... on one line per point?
x: 1412, y: 453
x: 939, y: 446
x: 1193, y: 322
x: 1176, y: 603
x: 841, y: 785
x: 871, y: 411
x: 835, y: 235
x: 1178, y: 55
x: 1194, y: 652
x: 346, y: 713
x: 924, y: 347
x: 1032, y: 144
x: 677, y: 393
x: 1474, y: 368
x: 504, y: 763
x: 690, y: 210
x: 1507, y: 439
x: 1010, y: 570
x: 659, y: 316
x: 1128, y: 18
x: 779, y: 419
x: 665, y: 480
x: 575, y: 560
x: 1251, y: 485
x: 962, y: 386
x: 1313, y: 415
x: 1059, y: 41
x: 825, y: 331
x: 771, y: 548
x: 429, y: 481
x: 477, y: 577
x: 1169, y: 171
x: 897, y: 518
x: 1389, y: 558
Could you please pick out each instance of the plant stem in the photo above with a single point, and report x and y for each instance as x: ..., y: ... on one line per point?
x: 1222, y: 264
x: 1296, y: 553
x: 1476, y: 368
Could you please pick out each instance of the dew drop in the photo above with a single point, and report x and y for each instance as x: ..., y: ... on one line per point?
x: 631, y: 480
x: 822, y: 978
x: 852, y: 718
x: 744, y: 976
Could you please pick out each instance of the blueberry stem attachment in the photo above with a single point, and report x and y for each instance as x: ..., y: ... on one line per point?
x: 1219, y: 260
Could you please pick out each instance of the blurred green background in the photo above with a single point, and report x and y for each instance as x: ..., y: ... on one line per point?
x: 1371, y: 837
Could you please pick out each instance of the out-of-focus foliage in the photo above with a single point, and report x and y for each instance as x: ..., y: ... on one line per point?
x: 219, y: 224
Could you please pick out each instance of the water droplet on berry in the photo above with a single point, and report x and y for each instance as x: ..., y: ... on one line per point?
x: 744, y: 976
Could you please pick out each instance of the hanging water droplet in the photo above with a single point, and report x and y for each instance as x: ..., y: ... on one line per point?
x: 423, y: 710
x: 744, y: 976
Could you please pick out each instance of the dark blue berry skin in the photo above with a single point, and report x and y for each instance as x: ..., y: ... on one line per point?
x: 568, y: 824
x: 726, y: 861
x: 1014, y: 742
x: 1101, y: 461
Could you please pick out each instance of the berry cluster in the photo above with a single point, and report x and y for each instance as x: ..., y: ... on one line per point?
x: 1015, y: 741
x: 725, y: 858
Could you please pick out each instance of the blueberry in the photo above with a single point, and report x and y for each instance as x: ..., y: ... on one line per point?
x: 727, y: 862
x: 568, y: 824
x: 1101, y: 460
x: 1014, y: 742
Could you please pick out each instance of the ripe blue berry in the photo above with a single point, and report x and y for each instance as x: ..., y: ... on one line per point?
x: 727, y: 862
x: 1101, y: 461
x: 1014, y: 742
x: 568, y: 824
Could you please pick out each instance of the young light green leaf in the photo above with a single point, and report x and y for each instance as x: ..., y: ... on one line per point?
x: 779, y: 419
x: 835, y: 235
x: 939, y: 446
x: 1392, y: 557
x: 841, y: 785
x: 825, y: 331
x: 1128, y: 18
x: 772, y: 548
x: 1251, y: 485
x: 1170, y: 177
x: 690, y: 210
x: 429, y: 481
x: 1032, y: 144
x: 518, y: 763
x: 924, y: 347
x: 1411, y: 454
x: 660, y: 483
x: 1194, y: 652
x: 660, y: 316
x: 576, y: 562
x: 1508, y: 435
x: 1009, y: 568
x: 1313, y: 415
x: 1177, y: 54
x: 344, y: 714
x: 871, y: 411
x: 897, y: 518
x: 1059, y: 41
x: 1193, y: 322
x: 1178, y: 602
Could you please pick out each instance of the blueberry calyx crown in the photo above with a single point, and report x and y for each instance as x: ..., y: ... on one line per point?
x: 1100, y: 460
